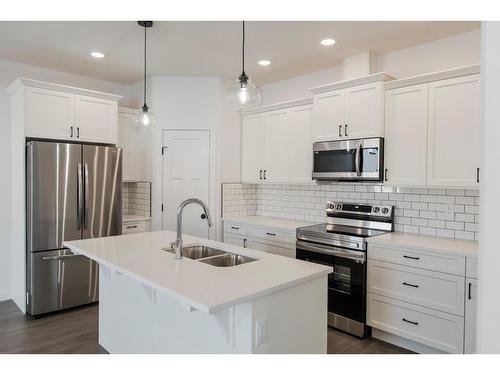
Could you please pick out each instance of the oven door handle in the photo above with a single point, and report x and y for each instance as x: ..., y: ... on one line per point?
x: 358, y: 159
x: 358, y: 256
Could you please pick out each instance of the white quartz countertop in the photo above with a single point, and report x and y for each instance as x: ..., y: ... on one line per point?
x: 267, y: 221
x: 195, y: 284
x: 126, y: 218
x: 426, y: 243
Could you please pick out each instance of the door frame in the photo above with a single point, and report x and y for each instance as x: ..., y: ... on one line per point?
x: 158, y: 191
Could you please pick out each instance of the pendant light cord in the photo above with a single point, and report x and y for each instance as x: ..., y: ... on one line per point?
x: 145, y: 61
x: 243, y: 49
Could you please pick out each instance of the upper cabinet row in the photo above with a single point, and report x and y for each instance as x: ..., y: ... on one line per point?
x: 276, y: 146
x: 63, y: 113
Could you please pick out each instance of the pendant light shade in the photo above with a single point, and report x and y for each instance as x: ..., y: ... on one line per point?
x: 144, y: 117
x: 243, y: 94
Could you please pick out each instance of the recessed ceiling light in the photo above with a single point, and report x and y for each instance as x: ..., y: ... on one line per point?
x: 328, y: 42
x: 97, y: 55
x: 264, y: 62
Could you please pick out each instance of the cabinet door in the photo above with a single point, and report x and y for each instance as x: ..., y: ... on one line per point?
x: 364, y: 112
x: 277, y: 137
x: 128, y: 140
x: 454, y: 133
x: 96, y: 119
x: 300, y: 145
x: 49, y: 114
x: 470, y: 316
x: 252, y: 147
x: 328, y: 116
x: 406, y: 135
x: 235, y: 240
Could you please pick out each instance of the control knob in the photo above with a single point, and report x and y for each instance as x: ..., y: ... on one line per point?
x: 376, y: 209
x: 338, y: 207
x: 385, y: 210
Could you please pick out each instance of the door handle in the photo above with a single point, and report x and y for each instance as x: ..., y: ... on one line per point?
x: 358, y: 159
x: 477, y: 175
x: 203, y: 216
x: 58, y: 257
x: 244, y: 242
x: 470, y: 286
x: 345, y: 130
x: 265, y: 170
x: 77, y: 132
x: 71, y: 132
x: 385, y: 174
x: 409, y: 321
x: 260, y: 174
x: 340, y: 130
x: 86, y: 202
x: 79, y: 198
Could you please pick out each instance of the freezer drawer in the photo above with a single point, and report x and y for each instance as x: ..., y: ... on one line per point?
x: 60, y: 279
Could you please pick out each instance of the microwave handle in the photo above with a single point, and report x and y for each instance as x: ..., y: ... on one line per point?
x: 358, y: 160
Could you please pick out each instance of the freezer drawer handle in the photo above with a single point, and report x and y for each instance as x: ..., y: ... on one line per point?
x: 57, y: 257
x: 409, y: 321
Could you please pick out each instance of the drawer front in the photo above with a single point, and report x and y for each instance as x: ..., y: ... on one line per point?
x: 235, y: 228
x: 235, y: 240
x: 271, y: 234
x: 429, y: 327
x: 435, y: 290
x: 278, y: 250
x: 453, y: 264
x: 472, y: 267
x: 134, y: 227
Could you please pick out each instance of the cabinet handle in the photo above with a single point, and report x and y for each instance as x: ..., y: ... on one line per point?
x: 345, y: 130
x: 131, y: 226
x: 409, y: 321
x: 265, y: 170
x: 77, y: 132
x: 340, y: 130
x: 244, y: 242
x: 260, y: 174
x: 477, y: 175
x: 385, y: 177
x: 237, y: 228
x: 270, y: 234
x: 408, y: 284
x: 470, y: 286
x: 409, y: 257
x: 71, y: 132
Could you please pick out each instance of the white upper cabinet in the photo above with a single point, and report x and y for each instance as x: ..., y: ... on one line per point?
x: 454, y: 132
x: 364, y: 113
x: 406, y: 135
x: 49, y: 114
x: 253, y: 145
x: 329, y: 116
x: 60, y: 112
x: 128, y: 139
x: 96, y: 119
x: 277, y: 137
x: 300, y: 144
x: 349, y: 109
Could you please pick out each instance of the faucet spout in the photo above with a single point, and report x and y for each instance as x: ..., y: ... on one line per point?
x: 177, y: 245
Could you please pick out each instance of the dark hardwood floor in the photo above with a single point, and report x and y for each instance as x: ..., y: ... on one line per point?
x: 75, y: 331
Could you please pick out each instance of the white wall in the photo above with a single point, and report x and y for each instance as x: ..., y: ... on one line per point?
x: 9, y: 71
x: 459, y: 50
x: 489, y: 240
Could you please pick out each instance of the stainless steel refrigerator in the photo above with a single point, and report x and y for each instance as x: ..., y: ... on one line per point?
x: 73, y: 192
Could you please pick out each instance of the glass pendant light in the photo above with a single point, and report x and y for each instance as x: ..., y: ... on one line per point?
x: 144, y: 118
x: 243, y: 94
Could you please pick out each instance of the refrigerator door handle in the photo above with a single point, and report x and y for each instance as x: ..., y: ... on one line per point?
x: 85, y: 211
x: 79, y: 198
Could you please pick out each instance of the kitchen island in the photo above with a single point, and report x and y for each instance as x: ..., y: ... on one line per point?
x: 151, y: 302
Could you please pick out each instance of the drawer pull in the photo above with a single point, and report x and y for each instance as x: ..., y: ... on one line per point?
x: 237, y: 228
x: 408, y: 284
x: 131, y: 226
x: 270, y: 234
x: 409, y: 257
x: 409, y: 321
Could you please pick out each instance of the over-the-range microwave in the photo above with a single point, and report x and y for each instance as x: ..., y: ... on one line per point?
x: 349, y: 160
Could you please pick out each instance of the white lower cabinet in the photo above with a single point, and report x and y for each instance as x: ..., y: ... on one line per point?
x: 257, y: 237
x: 421, y: 299
x: 135, y: 227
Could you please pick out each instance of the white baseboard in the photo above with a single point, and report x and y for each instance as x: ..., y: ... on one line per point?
x: 4, y: 295
x: 404, y: 343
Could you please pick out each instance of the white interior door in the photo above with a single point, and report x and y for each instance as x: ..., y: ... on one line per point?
x: 186, y: 165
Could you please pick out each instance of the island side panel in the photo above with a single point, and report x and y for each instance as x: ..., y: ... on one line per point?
x: 296, y: 319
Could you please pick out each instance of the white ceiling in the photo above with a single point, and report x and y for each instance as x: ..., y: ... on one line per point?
x: 208, y: 48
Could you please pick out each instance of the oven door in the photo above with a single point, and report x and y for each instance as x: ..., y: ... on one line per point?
x: 347, y: 283
x: 357, y: 159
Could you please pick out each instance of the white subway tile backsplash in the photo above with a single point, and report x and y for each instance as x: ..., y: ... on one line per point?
x: 417, y: 209
x: 136, y: 198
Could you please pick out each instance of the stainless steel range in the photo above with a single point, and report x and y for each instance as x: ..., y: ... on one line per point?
x: 341, y: 243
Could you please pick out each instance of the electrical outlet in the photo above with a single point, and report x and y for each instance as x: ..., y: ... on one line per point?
x: 260, y: 332
x: 449, y: 209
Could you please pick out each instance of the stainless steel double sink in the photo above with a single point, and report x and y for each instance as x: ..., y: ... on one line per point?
x: 214, y: 257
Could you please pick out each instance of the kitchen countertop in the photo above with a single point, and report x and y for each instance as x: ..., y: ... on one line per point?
x: 268, y: 221
x: 197, y: 285
x: 429, y: 243
x: 129, y: 217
